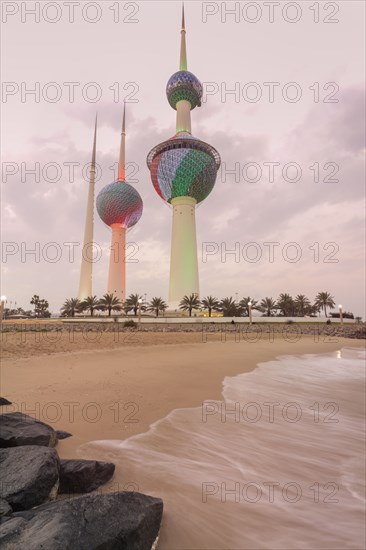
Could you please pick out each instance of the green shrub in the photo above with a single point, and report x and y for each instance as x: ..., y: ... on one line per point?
x: 130, y: 324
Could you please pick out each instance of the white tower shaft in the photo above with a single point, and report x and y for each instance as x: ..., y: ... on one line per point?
x: 117, y: 263
x: 183, y: 258
x: 86, y: 271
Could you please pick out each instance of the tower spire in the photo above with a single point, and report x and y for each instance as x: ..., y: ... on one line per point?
x: 183, y: 49
x: 85, y: 285
x: 94, y: 144
x: 122, y: 151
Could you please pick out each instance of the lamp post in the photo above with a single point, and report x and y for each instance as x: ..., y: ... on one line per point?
x: 139, y: 303
x: 3, y: 301
x: 340, y: 313
x: 250, y: 312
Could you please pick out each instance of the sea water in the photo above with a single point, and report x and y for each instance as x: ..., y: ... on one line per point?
x: 277, y: 464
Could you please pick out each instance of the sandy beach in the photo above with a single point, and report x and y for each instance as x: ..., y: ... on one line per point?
x: 137, y: 402
x: 105, y: 390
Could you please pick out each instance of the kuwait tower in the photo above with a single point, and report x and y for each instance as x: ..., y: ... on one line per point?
x: 183, y: 171
x: 119, y: 206
x: 85, y: 285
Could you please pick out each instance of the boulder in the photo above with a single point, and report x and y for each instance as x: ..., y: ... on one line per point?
x: 20, y: 429
x: 4, y: 401
x: 125, y: 520
x: 62, y: 435
x: 5, y: 508
x: 10, y: 528
x: 83, y: 476
x: 30, y: 475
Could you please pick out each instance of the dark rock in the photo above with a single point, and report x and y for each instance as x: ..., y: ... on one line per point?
x: 84, y: 476
x: 4, y: 401
x: 62, y: 435
x: 124, y: 521
x: 30, y: 475
x: 5, y: 508
x: 20, y: 429
x: 11, y: 528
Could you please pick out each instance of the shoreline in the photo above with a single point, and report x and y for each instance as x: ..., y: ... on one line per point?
x: 22, y: 342
x: 116, y: 393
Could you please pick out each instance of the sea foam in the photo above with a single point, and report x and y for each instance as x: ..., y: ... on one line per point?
x: 278, y: 464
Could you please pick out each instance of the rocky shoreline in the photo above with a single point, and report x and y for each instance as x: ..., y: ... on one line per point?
x: 354, y: 330
x: 33, y: 477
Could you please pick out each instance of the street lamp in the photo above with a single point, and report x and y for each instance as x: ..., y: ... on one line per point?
x: 139, y: 301
x: 2, y: 303
x: 250, y: 312
x: 340, y: 313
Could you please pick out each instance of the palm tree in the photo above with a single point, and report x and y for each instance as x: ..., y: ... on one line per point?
x: 210, y: 303
x: 91, y: 303
x: 244, y: 307
x: 286, y: 305
x: 133, y: 303
x: 157, y: 305
x: 324, y: 300
x: 110, y: 302
x: 189, y: 302
x: 302, y: 304
x: 229, y: 307
x: 70, y: 307
x: 268, y: 305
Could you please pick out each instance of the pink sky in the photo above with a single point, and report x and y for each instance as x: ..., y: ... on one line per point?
x: 322, y: 134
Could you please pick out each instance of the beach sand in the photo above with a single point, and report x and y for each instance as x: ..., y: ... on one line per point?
x: 105, y: 390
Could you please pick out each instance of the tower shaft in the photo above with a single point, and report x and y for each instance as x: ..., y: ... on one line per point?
x: 183, y: 258
x: 117, y: 260
x: 183, y: 171
x: 117, y: 263
x: 184, y: 116
x: 86, y: 271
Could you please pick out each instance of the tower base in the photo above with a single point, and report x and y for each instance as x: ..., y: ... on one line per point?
x: 183, y: 259
x: 174, y: 307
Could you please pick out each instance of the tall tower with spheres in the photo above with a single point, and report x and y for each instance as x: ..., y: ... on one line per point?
x: 183, y: 171
x: 119, y: 206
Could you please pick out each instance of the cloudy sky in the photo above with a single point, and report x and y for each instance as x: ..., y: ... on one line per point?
x: 284, y: 104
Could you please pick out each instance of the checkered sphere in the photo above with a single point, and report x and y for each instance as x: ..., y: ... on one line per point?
x: 119, y: 203
x: 184, y: 85
x: 183, y: 166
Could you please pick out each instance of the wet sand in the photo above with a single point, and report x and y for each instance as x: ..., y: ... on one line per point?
x: 98, y: 393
